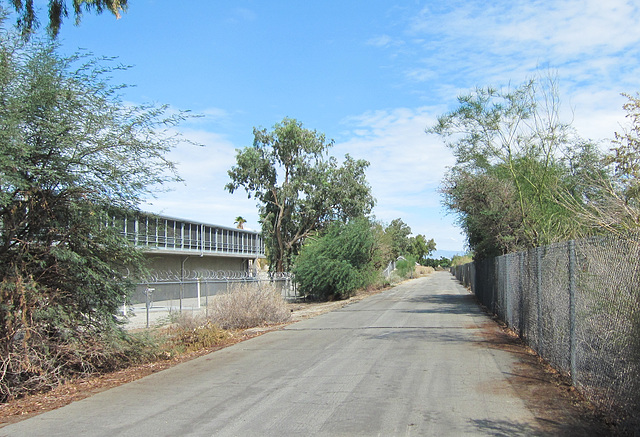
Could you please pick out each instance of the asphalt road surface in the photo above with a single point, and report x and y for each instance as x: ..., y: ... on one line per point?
x: 414, y: 360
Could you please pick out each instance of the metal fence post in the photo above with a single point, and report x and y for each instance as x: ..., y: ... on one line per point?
x: 572, y: 310
x: 198, y: 286
x: 148, y: 292
x: 521, y: 290
x: 539, y: 296
x: 206, y: 298
x: 507, y: 293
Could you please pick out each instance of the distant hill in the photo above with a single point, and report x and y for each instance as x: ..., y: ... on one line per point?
x: 446, y: 253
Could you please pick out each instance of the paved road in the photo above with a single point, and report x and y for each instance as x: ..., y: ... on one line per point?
x: 411, y: 361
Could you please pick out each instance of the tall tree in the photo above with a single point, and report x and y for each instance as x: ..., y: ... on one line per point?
x: 70, y: 151
x: 513, y: 154
x: 625, y: 155
x: 299, y: 187
x: 398, y: 236
x: 59, y: 10
x: 420, y: 247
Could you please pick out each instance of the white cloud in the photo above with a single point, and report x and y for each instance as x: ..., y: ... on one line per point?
x: 476, y: 43
x: 406, y: 167
x: 215, y: 114
x: 594, y: 47
x: 384, y: 41
x: 240, y: 15
x: 202, y: 196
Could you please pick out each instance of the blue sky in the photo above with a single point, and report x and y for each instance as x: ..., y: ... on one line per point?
x: 370, y: 75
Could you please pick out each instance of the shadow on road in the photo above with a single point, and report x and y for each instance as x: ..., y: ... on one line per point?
x: 505, y: 428
x: 444, y: 304
x: 410, y: 334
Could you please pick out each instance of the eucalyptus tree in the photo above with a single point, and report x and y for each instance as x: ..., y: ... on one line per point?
x: 299, y: 187
x: 420, y: 247
x: 397, y: 235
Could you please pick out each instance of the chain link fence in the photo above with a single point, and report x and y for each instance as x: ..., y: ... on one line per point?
x: 168, y: 292
x: 577, y: 304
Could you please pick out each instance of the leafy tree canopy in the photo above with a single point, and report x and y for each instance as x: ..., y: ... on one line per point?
x: 70, y: 152
x: 420, y: 247
x: 513, y: 157
x: 443, y: 262
x: 611, y: 203
x: 299, y: 187
x: 625, y: 155
x: 398, y: 237
x: 394, y: 240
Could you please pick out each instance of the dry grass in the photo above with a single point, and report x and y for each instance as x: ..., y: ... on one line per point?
x: 248, y: 306
x: 424, y: 271
x: 190, y: 333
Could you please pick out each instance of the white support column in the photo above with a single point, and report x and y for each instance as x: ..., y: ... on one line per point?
x: 198, y: 286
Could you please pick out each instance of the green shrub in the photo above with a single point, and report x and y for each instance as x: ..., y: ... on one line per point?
x: 406, y: 267
x: 459, y: 260
x: 336, y: 264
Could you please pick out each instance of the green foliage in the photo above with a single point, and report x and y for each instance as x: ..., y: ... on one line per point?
x: 339, y: 262
x: 240, y: 221
x: 300, y: 190
x: 420, y: 248
x: 487, y: 211
x: 459, y: 260
x: 626, y: 153
x: 383, y: 245
x: 443, y: 262
x: 513, y: 158
x: 44, y: 360
x: 616, y: 205
x: 393, y: 240
x: 58, y: 11
x: 70, y: 153
x: 406, y: 267
x: 610, y: 194
x: 397, y: 233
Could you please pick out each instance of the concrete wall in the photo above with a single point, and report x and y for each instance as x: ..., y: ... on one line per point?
x: 174, y: 262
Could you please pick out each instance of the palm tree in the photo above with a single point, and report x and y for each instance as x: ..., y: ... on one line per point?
x: 240, y: 221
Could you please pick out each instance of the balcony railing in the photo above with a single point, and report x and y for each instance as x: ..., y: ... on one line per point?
x: 166, y: 234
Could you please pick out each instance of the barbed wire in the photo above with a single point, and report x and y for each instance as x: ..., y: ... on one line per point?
x: 212, y: 275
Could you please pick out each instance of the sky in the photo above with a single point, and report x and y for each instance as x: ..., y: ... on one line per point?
x: 371, y: 75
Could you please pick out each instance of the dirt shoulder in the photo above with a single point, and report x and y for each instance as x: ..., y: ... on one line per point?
x: 558, y: 406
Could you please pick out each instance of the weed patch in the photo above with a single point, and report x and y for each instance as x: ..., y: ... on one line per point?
x: 248, y: 306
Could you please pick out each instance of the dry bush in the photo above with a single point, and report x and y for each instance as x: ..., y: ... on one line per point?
x: 424, y: 271
x: 190, y: 333
x: 247, y: 306
x: 39, y: 363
